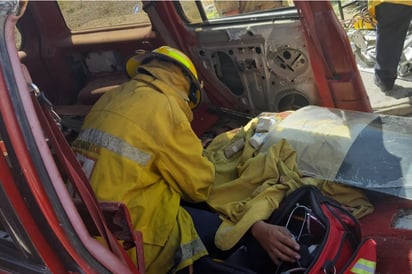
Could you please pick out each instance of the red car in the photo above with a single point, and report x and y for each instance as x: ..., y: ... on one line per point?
x: 58, y: 57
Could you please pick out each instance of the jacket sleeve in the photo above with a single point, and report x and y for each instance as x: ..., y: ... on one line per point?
x: 183, y: 166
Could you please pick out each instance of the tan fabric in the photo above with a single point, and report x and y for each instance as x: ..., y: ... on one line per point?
x: 250, y: 185
x: 138, y: 147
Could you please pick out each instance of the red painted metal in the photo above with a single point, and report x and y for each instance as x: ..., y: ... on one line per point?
x: 11, y: 122
x: 394, y: 245
x: 96, y: 249
x: 39, y: 241
x: 339, y: 81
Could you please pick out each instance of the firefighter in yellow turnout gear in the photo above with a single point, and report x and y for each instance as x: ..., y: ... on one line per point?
x: 138, y: 147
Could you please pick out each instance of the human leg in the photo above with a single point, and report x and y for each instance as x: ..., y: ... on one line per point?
x: 206, y: 224
x: 393, y: 22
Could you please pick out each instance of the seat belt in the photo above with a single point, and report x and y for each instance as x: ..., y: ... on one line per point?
x: 79, y: 180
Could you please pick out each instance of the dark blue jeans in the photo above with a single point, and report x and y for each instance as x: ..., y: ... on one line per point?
x: 393, y: 22
x: 252, y: 257
x: 206, y: 224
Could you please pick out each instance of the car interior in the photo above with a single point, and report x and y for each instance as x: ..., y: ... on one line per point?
x: 251, y: 61
x: 264, y: 67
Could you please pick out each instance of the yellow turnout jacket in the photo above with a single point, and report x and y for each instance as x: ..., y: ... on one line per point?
x: 373, y: 3
x: 137, y: 146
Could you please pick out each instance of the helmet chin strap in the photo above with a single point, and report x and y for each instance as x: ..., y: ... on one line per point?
x: 192, y: 92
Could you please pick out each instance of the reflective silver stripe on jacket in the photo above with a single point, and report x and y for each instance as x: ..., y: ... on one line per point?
x: 114, y: 144
x: 192, y: 249
x: 186, y: 252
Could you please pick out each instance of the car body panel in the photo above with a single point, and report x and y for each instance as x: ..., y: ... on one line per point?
x: 55, y: 239
x: 221, y: 51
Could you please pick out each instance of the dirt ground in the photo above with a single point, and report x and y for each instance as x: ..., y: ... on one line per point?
x: 81, y: 14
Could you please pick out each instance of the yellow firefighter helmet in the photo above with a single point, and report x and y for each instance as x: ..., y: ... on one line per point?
x: 174, y: 56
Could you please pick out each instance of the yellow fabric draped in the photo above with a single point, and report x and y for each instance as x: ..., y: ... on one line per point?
x: 250, y: 185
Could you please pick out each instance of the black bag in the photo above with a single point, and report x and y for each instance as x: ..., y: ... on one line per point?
x: 328, y: 234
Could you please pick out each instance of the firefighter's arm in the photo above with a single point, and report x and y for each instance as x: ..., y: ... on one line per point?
x: 184, y: 167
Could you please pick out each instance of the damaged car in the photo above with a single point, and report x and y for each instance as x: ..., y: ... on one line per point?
x: 291, y: 60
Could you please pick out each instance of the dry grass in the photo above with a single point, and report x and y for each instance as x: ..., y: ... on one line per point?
x: 80, y: 15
